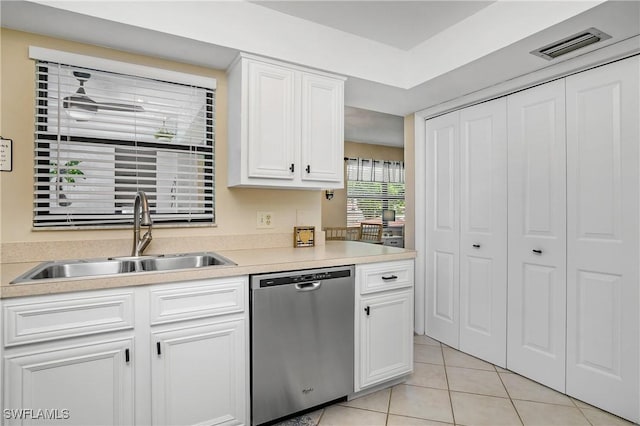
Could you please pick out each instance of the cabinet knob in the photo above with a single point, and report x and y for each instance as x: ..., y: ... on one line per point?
x: 536, y: 251
x: 292, y: 167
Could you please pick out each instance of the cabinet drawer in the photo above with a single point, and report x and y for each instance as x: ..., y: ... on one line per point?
x: 198, y: 299
x: 374, y: 277
x: 57, y: 317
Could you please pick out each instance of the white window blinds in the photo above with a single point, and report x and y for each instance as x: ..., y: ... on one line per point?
x: 372, y: 187
x: 103, y: 136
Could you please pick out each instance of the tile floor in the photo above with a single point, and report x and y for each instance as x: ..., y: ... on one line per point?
x: 449, y: 387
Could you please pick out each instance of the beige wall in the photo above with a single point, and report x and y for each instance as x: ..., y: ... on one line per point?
x: 410, y: 183
x: 235, y: 208
x: 334, y: 212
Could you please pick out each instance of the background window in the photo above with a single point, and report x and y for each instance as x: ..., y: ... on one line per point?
x: 372, y: 187
x: 102, y: 136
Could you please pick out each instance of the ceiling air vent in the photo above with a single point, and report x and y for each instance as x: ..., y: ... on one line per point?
x: 571, y: 43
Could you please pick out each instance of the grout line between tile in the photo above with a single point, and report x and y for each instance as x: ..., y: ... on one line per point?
x: 511, y: 399
x: 446, y: 376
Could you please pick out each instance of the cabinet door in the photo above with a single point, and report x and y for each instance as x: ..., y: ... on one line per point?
x: 443, y: 228
x: 537, y: 234
x: 602, y: 237
x: 198, y: 375
x: 272, y: 125
x: 386, y: 340
x: 90, y: 384
x: 322, y: 134
x: 483, y: 231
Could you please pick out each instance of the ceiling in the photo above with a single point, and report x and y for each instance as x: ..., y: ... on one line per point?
x: 400, y: 24
x: 399, y: 56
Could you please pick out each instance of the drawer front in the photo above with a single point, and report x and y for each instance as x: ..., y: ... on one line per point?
x: 58, y: 317
x: 383, y: 276
x: 198, y: 299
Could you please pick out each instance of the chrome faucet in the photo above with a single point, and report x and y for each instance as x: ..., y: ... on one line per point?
x: 141, y: 208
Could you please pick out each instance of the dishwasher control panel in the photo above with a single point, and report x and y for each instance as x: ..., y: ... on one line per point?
x: 303, y: 278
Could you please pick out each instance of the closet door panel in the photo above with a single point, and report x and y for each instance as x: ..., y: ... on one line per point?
x: 443, y: 233
x: 537, y: 234
x: 483, y: 230
x: 602, y: 236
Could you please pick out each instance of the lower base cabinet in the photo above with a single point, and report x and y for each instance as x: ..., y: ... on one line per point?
x: 86, y: 383
x: 198, y: 375
x: 384, y: 322
x: 70, y: 359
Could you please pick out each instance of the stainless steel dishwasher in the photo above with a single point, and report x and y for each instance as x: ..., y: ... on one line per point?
x: 301, y: 340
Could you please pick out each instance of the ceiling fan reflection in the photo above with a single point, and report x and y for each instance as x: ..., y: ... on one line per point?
x: 82, y: 108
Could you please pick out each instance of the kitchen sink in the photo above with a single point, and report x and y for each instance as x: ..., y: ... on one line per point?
x: 183, y: 261
x: 121, y: 265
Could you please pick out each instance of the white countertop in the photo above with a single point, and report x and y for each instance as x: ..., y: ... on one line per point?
x: 249, y: 261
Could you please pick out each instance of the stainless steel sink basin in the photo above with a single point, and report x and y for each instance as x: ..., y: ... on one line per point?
x: 125, y: 265
x: 183, y: 261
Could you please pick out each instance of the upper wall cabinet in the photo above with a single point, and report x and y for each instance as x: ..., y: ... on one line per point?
x: 285, y: 126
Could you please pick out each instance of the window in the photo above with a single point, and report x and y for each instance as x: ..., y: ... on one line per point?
x: 374, y: 186
x: 101, y: 136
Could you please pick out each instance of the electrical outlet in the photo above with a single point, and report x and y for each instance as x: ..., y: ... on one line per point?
x: 264, y: 220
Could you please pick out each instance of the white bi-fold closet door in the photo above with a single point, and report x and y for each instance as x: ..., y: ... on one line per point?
x: 537, y: 234
x: 603, y: 191
x: 467, y: 230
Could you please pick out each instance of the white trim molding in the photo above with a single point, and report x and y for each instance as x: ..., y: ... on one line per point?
x: 103, y: 64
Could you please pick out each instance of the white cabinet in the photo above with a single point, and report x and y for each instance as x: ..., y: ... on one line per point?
x: 603, y: 236
x: 76, y: 352
x: 87, y: 383
x: 285, y: 125
x: 466, y: 230
x: 69, y: 359
x: 199, y: 353
x: 198, y: 374
x: 537, y: 234
x: 383, y: 322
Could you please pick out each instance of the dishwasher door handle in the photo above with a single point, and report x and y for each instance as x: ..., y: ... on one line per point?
x: 308, y: 286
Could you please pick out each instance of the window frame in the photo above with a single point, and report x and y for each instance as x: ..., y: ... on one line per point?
x: 123, y: 220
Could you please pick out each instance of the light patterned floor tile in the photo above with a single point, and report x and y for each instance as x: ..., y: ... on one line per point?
x: 601, y: 418
x: 428, y: 354
x: 425, y: 340
x: 337, y: 415
x: 428, y: 375
x: 425, y: 403
x: 475, y: 381
x: 481, y: 410
x: 524, y: 389
x: 395, y: 420
x: 377, y: 401
x: 456, y: 358
x: 537, y: 413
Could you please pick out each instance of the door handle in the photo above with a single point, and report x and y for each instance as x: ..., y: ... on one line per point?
x: 367, y: 310
x: 476, y: 246
x: 126, y: 356
x: 308, y: 286
x: 308, y: 168
x: 389, y: 277
x: 292, y: 167
x: 158, y: 348
x: 537, y: 251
